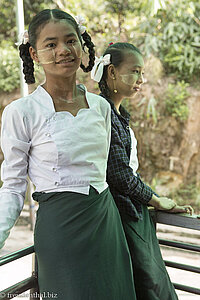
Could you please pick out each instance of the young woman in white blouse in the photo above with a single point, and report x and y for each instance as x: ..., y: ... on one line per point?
x: 59, y: 135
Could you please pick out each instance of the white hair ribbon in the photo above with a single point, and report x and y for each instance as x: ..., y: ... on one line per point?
x: 97, y: 70
x: 80, y: 20
x: 23, y: 38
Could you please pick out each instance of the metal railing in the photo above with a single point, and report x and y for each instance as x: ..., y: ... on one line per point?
x: 183, y: 222
x: 31, y: 283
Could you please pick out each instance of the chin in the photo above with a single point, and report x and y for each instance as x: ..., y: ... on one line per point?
x: 134, y: 93
x: 131, y: 94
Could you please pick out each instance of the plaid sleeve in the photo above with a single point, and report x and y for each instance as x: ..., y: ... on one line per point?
x: 120, y: 175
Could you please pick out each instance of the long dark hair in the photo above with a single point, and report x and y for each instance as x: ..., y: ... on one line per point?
x: 117, y: 54
x: 36, y: 25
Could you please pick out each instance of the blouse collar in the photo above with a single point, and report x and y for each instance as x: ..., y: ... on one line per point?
x: 43, y: 97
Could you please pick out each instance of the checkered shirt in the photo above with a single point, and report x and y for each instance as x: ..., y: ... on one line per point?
x: 127, y: 189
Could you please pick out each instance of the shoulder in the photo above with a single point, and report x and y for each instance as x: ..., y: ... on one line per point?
x: 21, y: 106
x: 100, y: 104
x: 102, y: 101
x: 15, y: 108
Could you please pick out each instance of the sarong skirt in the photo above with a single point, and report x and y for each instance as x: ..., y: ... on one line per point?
x: 81, y: 247
x: 152, y: 281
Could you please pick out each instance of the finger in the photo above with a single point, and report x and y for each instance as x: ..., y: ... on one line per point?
x: 179, y: 209
x: 189, y: 209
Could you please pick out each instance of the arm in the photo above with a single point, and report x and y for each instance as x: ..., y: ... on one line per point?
x: 15, y: 146
x: 120, y: 176
x: 161, y: 203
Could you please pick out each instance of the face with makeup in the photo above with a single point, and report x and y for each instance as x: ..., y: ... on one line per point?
x: 128, y: 76
x: 58, y: 49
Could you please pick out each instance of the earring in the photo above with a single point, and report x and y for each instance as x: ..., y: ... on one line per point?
x: 114, y: 90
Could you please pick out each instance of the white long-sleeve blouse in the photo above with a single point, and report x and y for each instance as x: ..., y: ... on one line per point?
x: 58, y: 151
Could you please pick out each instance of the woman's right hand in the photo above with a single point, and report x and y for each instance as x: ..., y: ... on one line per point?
x: 185, y: 209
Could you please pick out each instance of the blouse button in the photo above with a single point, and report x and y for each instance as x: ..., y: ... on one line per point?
x: 56, y: 183
x: 54, y: 169
x: 48, y: 134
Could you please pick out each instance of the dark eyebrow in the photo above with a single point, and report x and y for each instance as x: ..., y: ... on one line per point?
x: 55, y: 38
x: 136, y: 66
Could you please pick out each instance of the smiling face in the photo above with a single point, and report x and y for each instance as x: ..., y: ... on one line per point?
x: 128, y: 76
x: 58, y: 49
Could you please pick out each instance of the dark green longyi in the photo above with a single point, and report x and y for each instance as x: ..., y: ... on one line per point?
x: 81, y: 247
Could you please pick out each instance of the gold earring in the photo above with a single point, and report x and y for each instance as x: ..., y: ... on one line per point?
x: 114, y: 90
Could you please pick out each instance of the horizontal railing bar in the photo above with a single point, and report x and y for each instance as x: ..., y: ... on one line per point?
x: 190, y: 222
x: 16, y: 255
x: 18, y: 288
x: 179, y: 245
x: 182, y: 266
x: 186, y: 288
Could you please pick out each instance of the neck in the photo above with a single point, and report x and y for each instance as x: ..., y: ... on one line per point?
x: 116, y: 99
x: 62, y: 89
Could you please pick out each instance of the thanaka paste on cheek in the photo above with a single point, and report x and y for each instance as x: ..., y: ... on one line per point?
x: 128, y: 79
x: 46, y: 56
x: 77, y: 49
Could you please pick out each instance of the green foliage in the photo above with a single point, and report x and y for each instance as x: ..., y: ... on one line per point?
x: 176, y: 95
x: 167, y: 29
x: 118, y: 6
x: 173, y: 35
x: 182, y: 42
x: 187, y: 194
x: 8, y: 15
x: 150, y: 7
x: 9, y: 66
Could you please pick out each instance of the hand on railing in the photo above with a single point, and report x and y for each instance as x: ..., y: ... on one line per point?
x: 186, y: 209
x: 169, y: 205
x: 162, y: 203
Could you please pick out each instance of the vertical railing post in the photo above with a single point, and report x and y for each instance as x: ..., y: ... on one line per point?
x: 34, y: 292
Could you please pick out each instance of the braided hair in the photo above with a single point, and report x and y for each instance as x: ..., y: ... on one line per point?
x: 28, y: 65
x: 36, y: 25
x: 88, y: 43
x: 117, y: 55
